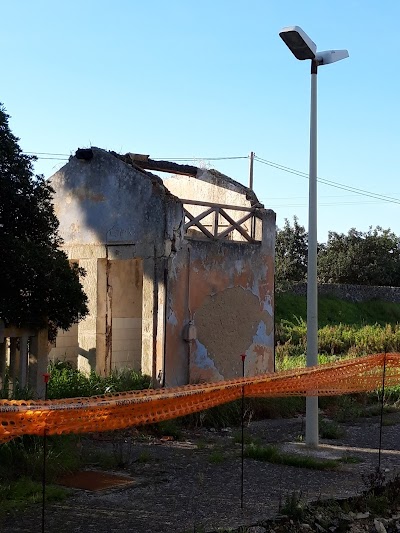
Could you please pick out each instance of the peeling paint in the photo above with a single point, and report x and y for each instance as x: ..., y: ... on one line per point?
x: 261, y: 336
x: 268, y: 305
x: 172, y: 318
x: 202, y: 366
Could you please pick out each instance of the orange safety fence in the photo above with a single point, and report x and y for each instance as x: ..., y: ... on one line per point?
x: 126, y: 409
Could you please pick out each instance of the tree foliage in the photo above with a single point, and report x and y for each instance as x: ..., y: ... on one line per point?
x: 358, y: 258
x: 38, y: 285
x: 290, y: 254
x: 363, y: 258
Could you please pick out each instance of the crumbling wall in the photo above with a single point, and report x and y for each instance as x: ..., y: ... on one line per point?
x: 225, y: 290
x: 211, y: 186
x: 110, y: 211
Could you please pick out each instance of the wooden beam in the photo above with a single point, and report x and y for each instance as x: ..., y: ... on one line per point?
x: 198, y: 224
x: 236, y: 225
x: 224, y: 206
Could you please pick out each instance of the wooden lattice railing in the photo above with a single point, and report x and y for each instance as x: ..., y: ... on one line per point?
x: 217, y: 221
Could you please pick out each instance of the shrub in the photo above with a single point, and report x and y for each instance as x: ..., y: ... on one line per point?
x: 68, y: 382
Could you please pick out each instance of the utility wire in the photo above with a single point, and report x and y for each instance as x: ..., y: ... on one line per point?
x: 45, y: 153
x: 278, y: 166
x: 198, y: 158
x: 337, y: 185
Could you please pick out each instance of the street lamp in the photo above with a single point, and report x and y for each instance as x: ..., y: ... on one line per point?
x: 302, y: 47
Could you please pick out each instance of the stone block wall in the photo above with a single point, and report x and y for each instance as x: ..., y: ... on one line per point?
x: 353, y: 293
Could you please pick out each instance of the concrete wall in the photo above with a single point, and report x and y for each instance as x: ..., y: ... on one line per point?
x: 109, y: 212
x: 227, y: 290
x: 126, y: 286
x: 66, y: 346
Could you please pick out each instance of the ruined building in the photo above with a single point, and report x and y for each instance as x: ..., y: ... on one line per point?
x: 180, y: 272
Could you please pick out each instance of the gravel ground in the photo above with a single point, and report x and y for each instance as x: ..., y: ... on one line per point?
x: 194, y: 485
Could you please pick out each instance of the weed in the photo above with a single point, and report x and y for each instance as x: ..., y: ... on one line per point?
x: 347, y: 409
x: 17, y: 495
x: 286, y: 407
x: 374, y: 481
x: 377, y: 504
x: 100, y: 458
x: 247, y: 438
x: 170, y: 428
x: 144, y: 457
x: 216, y: 457
x: 350, y: 460
x: 329, y: 429
x: 272, y: 454
x: 293, y: 506
x: 23, y: 457
x: 68, y: 382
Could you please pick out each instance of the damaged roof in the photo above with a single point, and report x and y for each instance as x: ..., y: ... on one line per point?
x: 143, y: 163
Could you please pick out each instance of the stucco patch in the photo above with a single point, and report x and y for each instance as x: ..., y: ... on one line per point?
x: 227, y: 323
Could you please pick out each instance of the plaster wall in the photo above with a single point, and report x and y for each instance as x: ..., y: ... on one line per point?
x: 207, y: 187
x: 213, y: 187
x: 110, y: 211
x: 227, y: 290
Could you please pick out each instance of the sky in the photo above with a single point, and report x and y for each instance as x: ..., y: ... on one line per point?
x: 211, y: 80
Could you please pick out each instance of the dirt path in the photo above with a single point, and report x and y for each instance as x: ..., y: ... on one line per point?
x: 194, y: 484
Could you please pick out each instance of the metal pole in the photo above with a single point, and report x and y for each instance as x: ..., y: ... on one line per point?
x: 252, y: 154
x: 382, y: 406
x: 243, y: 356
x: 312, y: 287
x: 46, y: 378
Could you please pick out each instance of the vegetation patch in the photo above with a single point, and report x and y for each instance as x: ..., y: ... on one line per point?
x: 272, y: 454
x: 17, y: 495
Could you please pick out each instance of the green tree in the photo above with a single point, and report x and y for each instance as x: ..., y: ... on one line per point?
x: 290, y: 255
x: 364, y: 258
x: 39, y: 288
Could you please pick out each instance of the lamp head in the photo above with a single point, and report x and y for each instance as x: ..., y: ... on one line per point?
x: 331, y: 56
x: 299, y: 43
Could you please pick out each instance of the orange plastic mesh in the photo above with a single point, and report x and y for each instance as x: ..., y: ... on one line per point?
x: 118, y: 411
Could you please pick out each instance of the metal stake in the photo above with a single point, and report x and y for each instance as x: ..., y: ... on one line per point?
x: 243, y: 356
x: 382, y: 405
x: 46, y: 378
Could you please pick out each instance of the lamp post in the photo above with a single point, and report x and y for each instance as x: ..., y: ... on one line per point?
x: 302, y: 47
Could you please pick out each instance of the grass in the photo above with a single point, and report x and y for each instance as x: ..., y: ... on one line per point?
x: 272, y: 454
x: 345, y: 328
x: 19, y: 494
x: 333, y: 311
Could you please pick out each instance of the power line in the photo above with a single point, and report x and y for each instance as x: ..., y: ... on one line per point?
x: 45, y: 153
x: 198, y: 158
x: 278, y: 166
x: 361, y: 192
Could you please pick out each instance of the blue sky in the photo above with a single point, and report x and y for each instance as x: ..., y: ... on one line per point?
x: 210, y: 79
